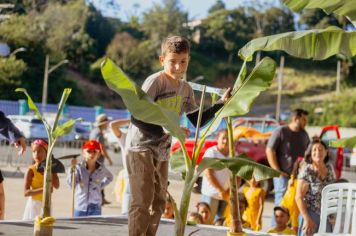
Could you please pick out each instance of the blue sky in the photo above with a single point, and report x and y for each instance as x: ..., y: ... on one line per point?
x: 196, y: 8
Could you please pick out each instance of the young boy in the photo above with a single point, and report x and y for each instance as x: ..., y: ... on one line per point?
x: 147, y: 144
x: 281, y: 215
x: 91, y: 178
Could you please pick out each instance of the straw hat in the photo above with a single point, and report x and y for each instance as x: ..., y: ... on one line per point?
x: 101, y: 119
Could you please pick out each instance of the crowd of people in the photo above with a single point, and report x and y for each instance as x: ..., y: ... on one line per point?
x: 145, y: 147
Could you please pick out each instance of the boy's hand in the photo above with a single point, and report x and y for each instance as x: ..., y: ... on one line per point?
x: 186, y: 131
x: 226, y: 95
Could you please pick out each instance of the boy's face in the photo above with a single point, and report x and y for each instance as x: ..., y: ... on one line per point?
x: 91, y: 154
x: 175, y: 65
x: 282, y: 218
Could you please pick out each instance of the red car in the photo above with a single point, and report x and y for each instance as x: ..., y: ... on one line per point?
x: 255, y: 148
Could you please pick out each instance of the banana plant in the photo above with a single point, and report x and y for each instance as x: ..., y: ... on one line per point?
x: 345, y: 8
x: 53, y: 132
x: 142, y: 107
x: 344, y: 143
x: 317, y: 44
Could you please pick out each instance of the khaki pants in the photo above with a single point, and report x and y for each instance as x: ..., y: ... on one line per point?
x: 148, y: 182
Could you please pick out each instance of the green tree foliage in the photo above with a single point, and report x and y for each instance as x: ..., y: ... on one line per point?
x: 134, y: 56
x: 276, y: 20
x: 219, y: 5
x: 10, y: 76
x: 229, y: 28
x: 163, y: 20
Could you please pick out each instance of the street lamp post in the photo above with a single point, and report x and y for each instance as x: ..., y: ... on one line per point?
x: 45, y: 79
x: 22, y: 49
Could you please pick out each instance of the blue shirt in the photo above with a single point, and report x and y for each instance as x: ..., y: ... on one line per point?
x: 88, y: 185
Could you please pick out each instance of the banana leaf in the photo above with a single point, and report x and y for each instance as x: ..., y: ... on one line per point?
x: 64, y: 128
x: 344, y: 143
x: 33, y: 107
x: 141, y: 106
x: 241, y: 165
x: 317, y: 44
x: 345, y: 8
x: 240, y: 102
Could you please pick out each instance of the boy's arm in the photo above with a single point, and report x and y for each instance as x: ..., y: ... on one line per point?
x: 209, y: 113
x: 108, y: 177
x: 116, y: 124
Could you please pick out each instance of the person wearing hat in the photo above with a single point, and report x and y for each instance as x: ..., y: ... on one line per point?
x: 282, y: 216
x: 100, y: 125
x: 90, y: 178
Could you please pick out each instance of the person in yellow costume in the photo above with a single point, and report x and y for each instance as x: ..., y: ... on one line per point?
x: 255, y: 197
x: 282, y: 216
x: 288, y: 200
x: 34, y: 181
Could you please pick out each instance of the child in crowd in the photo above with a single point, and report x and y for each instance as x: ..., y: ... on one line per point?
x: 194, y: 218
x: 91, y: 178
x: 123, y: 192
x: 281, y: 215
x: 288, y: 200
x: 255, y: 196
x: 34, y: 181
x: 203, y: 209
x: 168, y: 210
x: 216, y: 183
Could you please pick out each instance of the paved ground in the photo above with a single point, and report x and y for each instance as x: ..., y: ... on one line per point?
x: 15, y: 203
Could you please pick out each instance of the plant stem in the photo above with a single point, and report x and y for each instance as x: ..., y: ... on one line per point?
x: 180, y: 222
x: 47, y: 188
x: 236, y: 224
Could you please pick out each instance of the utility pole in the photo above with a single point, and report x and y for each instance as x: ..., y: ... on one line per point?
x: 280, y: 85
x: 47, y: 72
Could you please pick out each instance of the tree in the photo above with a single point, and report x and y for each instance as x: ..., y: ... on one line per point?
x: 164, y: 20
x: 276, y: 20
x: 133, y: 55
x: 230, y: 28
x: 219, y: 5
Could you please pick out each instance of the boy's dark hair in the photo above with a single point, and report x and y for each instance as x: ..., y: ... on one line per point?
x: 199, y: 204
x: 282, y: 209
x: 197, y: 216
x: 299, y: 112
x: 307, y: 155
x: 175, y: 44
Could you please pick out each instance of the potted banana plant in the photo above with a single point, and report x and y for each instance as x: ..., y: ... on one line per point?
x: 43, y: 225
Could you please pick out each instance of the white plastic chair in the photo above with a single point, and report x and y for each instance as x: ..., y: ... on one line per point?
x: 339, y: 200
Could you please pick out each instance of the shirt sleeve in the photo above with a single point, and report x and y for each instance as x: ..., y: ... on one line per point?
x: 151, y: 86
x: 275, y: 140
x: 8, y: 129
x: 108, y: 177
x: 303, y: 174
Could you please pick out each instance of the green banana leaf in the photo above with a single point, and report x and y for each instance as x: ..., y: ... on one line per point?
x: 317, y: 44
x: 345, y: 8
x: 141, y: 106
x: 177, y: 162
x: 65, y: 95
x: 65, y: 128
x: 241, y: 165
x: 240, y: 102
x: 344, y: 143
x: 33, y: 107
